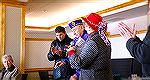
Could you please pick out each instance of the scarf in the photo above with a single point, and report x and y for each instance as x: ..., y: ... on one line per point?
x: 102, y: 29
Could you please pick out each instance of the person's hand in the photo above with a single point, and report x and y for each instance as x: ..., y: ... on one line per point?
x: 125, y: 31
x: 56, y: 51
x: 53, y: 50
x: 73, y: 77
x: 67, y: 46
x: 71, y: 51
x: 60, y: 63
x: 71, y: 48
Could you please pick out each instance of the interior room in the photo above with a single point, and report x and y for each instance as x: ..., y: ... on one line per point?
x: 27, y: 30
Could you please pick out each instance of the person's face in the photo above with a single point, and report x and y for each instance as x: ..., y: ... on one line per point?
x: 78, y: 30
x: 87, y: 28
x: 60, y: 36
x: 7, y: 63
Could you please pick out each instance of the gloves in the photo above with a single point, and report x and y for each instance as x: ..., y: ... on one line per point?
x: 70, y: 53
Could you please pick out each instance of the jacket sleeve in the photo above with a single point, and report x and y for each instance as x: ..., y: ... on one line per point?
x: 86, y: 57
x: 140, y: 49
x: 50, y: 56
x: 16, y: 75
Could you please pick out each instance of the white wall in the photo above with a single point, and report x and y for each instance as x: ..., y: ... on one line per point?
x: 119, y: 44
x: 36, y: 54
x: 13, y: 33
x: 140, y: 24
x: 119, y: 49
x: 40, y: 35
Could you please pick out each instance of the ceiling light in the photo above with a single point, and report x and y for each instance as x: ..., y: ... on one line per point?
x: 44, y: 11
x: 23, y: 0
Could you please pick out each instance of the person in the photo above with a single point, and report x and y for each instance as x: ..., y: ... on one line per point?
x: 81, y: 36
x: 138, y: 49
x: 10, y: 71
x: 57, y: 52
x: 94, y: 59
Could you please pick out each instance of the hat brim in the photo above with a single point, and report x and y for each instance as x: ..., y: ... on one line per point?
x: 87, y: 22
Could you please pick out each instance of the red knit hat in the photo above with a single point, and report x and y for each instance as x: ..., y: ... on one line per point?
x: 93, y: 20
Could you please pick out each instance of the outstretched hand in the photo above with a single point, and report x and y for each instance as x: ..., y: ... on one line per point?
x: 125, y: 31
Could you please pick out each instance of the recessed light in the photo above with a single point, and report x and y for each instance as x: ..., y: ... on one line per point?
x: 23, y: 0
x: 44, y: 11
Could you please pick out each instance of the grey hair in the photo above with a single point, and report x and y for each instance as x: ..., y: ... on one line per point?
x: 7, y: 56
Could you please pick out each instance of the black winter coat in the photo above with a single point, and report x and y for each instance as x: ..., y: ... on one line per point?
x: 66, y: 70
x: 140, y: 50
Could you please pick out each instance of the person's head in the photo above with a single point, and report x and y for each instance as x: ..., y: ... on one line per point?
x: 77, y: 27
x: 92, y: 22
x: 7, y: 61
x: 60, y: 33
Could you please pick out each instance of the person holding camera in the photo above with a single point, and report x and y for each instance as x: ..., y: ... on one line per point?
x: 58, y: 52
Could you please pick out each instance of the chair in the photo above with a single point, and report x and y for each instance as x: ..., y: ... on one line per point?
x: 24, y: 76
x: 43, y: 75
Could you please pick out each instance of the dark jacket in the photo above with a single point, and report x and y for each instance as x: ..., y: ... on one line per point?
x: 94, y: 60
x: 140, y: 50
x: 66, y: 68
x: 56, y: 43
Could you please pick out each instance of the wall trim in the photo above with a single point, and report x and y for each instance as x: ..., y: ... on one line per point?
x: 14, y: 3
x: 2, y: 31
x: 99, y: 12
x: 34, y: 27
x: 108, y: 35
x: 22, y: 38
x: 27, y: 70
x: 118, y: 35
x: 22, y: 6
x: 39, y: 39
x: 120, y: 6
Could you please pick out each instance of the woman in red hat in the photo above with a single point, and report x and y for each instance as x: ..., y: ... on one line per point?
x: 94, y: 59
